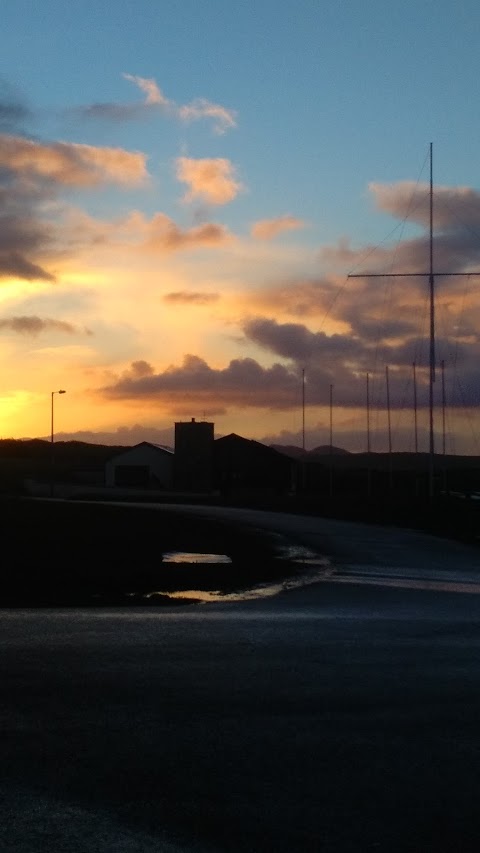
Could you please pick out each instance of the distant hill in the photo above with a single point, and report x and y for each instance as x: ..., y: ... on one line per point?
x: 325, y: 450
x: 289, y: 450
x: 298, y: 453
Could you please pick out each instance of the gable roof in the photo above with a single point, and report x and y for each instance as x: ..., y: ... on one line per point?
x: 163, y: 450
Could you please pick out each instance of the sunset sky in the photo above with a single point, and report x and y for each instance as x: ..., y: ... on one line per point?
x: 184, y: 189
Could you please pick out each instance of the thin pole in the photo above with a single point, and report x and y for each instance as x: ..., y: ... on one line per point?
x: 388, y: 412
x: 368, y: 413
x: 331, y: 418
x: 445, y: 487
x: 369, y: 473
x: 52, y: 457
x: 303, y: 409
x: 390, y: 473
x: 443, y: 407
x: 331, y: 441
x: 431, y: 471
x: 52, y: 444
x: 415, y: 408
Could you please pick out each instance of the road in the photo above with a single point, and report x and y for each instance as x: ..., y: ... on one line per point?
x: 337, y: 718
x: 363, y: 552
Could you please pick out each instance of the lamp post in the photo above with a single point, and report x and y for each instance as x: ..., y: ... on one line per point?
x: 52, y: 444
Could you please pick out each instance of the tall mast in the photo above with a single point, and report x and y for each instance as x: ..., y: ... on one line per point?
x: 303, y: 409
x: 415, y: 417
x: 389, y: 421
x: 432, y: 342
x: 390, y: 469
x: 331, y: 442
x: 369, y: 470
x: 431, y: 277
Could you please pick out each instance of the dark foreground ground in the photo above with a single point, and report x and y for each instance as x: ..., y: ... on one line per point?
x: 333, y: 719
x: 76, y: 554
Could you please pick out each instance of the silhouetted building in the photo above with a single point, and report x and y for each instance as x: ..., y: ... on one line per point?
x: 244, y: 465
x: 194, y: 456
x: 144, y: 466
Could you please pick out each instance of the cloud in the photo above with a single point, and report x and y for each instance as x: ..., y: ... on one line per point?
x: 344, y: 360
x: 243, y: 382
x: 296, y: 342
x: 141, y: 368
x: 13, y: 111
x: 33, y: 224
x: 211, y: 179
x: 114, y: 112
x: 34, y: 326
x: 24, y: 237
x: 161, y: 233
x: 190, y: 297
x: 150, y: 89
x: 453, y: 207
x: 155, y: 101
x: 70, y: 163
x: 158, y: 234
x: 266, y: 229
x: 300, y: 297
x: 224, y: 119
x: 12, y: 264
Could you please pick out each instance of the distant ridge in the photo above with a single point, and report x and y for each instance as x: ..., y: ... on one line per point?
x: 326, y: 449
x: 289, y: 450
x: 298, y: 453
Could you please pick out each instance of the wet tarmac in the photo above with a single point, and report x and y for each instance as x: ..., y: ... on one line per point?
x: 332, y: 718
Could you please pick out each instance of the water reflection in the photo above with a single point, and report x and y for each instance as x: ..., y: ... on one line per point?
x: 193, y: 557
x: 297, y: 566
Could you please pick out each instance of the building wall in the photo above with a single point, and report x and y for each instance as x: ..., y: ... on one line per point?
x: 193, y: 470
x: 154, y: 467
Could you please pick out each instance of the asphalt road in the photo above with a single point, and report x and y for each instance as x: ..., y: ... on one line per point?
x: 338, y: 718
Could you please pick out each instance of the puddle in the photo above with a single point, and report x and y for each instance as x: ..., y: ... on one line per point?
x: 179, y: 557
x: 303, y: 567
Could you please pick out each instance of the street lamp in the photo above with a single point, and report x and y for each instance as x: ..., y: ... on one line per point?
x: 52, y: 458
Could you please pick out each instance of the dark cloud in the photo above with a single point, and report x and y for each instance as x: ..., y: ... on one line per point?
x: 344, y: 361
x: 165, y: 235
x: 243, y: 382
x: 295, y: 341
x: 21, y: 236
x: 141, y: 368
x: 15, y: 264
x: 33, y: 326
x: 191, y: 297
x: 113, y: 112
x: 14, y: 112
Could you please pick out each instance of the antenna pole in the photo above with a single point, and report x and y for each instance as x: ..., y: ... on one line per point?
x: 432, y: 342
x: 431, y: 277
x: 390, y: 472
x: 303, y: 409
x: 445, y: 489
x: 369, y: 473
x: 443, y: 407
x: 415, y: 413
x: 331, y: 441
x: 388, y: 411
x: 368, y: 413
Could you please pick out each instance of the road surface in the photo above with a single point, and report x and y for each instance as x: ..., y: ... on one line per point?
x: 337, y: 718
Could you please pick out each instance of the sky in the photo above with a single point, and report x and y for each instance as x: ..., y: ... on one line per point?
x: 185, y: 189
